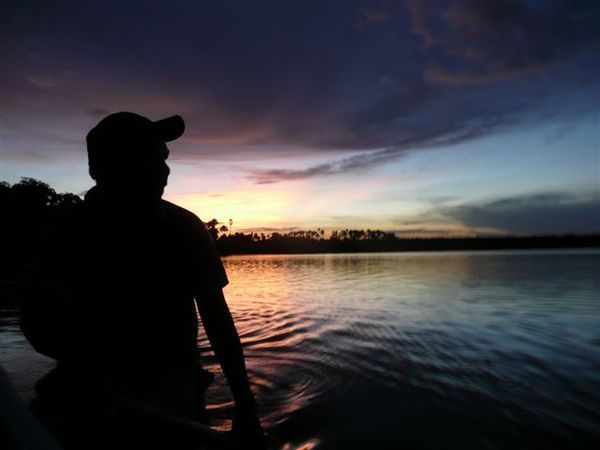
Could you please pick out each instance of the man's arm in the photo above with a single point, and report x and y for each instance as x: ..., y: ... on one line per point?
x: 225, y: 341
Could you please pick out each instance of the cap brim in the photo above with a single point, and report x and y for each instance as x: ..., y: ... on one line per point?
x: 170, y: 128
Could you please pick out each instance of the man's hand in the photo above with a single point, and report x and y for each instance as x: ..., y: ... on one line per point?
x: 225, y: 341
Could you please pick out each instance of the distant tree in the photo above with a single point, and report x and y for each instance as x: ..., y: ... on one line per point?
x: 65, y: 200
x: 4, y: 199
x: 211, y: 227
x: 4, y: 188
x: 27, y: 208
x: 31, y: 194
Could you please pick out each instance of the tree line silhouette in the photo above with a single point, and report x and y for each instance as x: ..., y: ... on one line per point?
x: 30, y: 205
x: 357, y: 241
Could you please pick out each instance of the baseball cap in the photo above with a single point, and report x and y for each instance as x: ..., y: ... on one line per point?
x: 127, y: 127
x: 125, y: 135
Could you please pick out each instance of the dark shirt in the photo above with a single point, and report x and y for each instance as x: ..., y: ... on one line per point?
x: 115, y: 286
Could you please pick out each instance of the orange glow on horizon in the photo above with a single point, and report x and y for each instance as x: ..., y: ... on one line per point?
x: 247, y: 208
x: 263, y: 210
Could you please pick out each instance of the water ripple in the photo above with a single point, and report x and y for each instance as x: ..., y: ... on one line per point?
x: 481, y: 350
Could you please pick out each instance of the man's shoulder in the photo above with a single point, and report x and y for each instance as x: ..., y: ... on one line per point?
x: 189, y: 227
x: 181, y: 216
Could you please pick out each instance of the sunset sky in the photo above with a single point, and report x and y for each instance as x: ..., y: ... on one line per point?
x: 418, y: 117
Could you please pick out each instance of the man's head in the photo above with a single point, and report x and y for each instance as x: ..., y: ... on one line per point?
x: 127, y: 154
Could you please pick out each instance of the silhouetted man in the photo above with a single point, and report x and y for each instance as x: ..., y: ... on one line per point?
x: 114, y: 287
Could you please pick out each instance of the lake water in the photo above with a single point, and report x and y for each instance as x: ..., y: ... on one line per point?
x: 479, y: 350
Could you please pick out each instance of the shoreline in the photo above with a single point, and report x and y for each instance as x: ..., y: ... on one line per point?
x: 240, y: 244
x: 457, y: 250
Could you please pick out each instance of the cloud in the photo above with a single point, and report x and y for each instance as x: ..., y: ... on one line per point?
x: 298, y: 77
x: 546, y: 213
x: 499, y: 39
x: 426, y: 232
x: 342, y: 166
x: 419, y: 10
x: 98, y: 112
x: 475, y: 75
x: 44, y: 82
x: 446, y: 133
x: 370, y: 15
x: 267, y: 230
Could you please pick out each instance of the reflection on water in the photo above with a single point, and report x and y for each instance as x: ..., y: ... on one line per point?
x: 418, y: 350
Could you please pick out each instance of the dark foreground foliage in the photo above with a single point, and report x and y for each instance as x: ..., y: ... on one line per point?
x: 26, y: 207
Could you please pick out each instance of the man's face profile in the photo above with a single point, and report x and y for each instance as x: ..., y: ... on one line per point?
x: 146, y: 177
